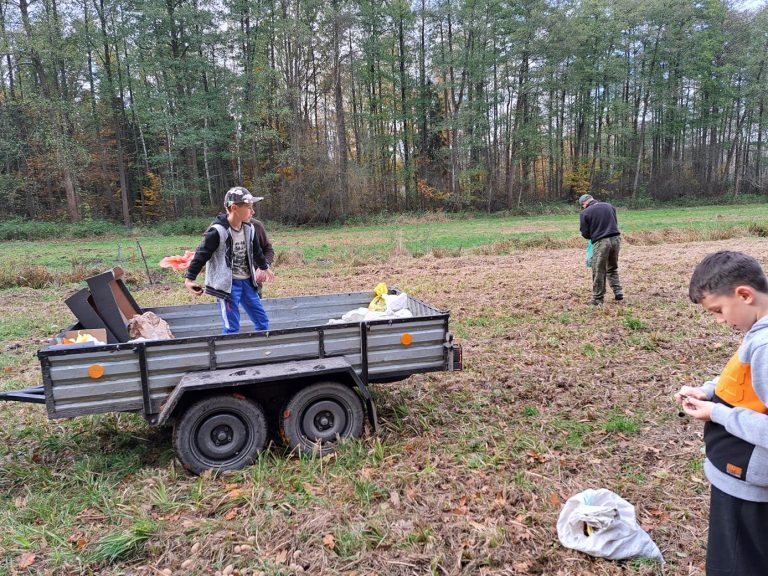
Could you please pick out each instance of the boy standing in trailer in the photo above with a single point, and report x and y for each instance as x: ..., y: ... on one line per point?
x: 231, y: 252
x: 733, y: 287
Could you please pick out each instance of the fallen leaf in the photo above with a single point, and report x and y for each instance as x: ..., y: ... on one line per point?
x: 329, y: 541
x: 537, y: 456
x: 25, y: 560
x: 281, y: 556
x: 521, y: 567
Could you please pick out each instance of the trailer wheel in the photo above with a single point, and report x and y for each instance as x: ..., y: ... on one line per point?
x: 318, y: 416
x: 220, y: 433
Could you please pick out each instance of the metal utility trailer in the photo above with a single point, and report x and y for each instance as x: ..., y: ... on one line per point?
x: 305, y: 378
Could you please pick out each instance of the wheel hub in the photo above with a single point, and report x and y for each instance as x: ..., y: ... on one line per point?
x: 324, y: 420
x: 221, y: 436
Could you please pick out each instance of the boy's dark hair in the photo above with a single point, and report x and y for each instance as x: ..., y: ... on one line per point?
x: 720, y: 273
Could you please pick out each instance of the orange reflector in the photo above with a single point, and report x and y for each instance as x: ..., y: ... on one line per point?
x: 96, y: 371
x: 406, y: 339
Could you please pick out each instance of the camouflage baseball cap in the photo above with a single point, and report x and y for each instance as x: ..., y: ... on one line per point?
x: 240, y: 195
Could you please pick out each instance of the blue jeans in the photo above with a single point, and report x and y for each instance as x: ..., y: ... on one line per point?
x: 243, y: 293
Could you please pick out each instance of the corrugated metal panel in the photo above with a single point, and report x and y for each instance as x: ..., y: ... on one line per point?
x: 97, y: 407
x: 387, y: 353
x: 284, y: 313
x: 73, y: 387
x: 263, y: 349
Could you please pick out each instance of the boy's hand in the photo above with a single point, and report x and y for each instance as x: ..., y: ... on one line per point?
x: 264, y: 276
x: 193, y: 287
x: 690, y: 392
x: 699, y: 409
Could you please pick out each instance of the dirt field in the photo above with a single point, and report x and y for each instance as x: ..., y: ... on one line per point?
x: 471, y: 469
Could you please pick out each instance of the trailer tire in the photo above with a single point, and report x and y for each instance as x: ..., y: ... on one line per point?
x: 319, y: 416
x: 224, y: 432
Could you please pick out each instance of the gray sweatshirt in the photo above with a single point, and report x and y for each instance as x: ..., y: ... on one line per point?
x: 737, y: 437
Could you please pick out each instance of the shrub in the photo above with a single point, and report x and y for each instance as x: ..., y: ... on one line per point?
x: 23, y: 229
x: 182, y: 226
x: 12, y: 276
x: 759, y: 230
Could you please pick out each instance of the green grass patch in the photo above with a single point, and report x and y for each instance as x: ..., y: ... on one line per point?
x: 621, y: 423
x: 125, y: 542
x: 530, y: 411
x: 634, y: 323
x: 648, y: 342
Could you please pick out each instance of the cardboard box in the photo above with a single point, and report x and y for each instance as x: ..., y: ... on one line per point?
x: 99, y: 333
x: 82, y: 306
x: 113, y: 302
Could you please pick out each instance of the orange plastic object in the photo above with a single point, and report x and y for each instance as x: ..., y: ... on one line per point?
x: 178, y: 262
x: 406, y: 339
x: 96, y: 371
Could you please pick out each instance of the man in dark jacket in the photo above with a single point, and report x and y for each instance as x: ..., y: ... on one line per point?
x: 599, y: 224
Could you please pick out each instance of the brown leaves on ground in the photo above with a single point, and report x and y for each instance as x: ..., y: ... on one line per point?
x: 25, y: 560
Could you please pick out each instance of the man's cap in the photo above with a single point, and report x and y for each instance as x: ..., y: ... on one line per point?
x: 240, y: 195
x: 584, y: 198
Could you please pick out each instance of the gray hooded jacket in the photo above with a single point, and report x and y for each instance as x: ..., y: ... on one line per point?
x: 215, y: 252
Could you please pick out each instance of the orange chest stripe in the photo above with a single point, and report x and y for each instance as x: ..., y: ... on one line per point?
x: 735, y: 386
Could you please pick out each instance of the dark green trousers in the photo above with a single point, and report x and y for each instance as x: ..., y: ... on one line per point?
x: 605, y: 265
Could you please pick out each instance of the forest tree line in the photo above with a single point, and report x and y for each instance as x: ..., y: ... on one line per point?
x: 137, y: 110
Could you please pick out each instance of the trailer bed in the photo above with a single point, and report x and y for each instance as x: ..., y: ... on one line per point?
x: 140, y: 376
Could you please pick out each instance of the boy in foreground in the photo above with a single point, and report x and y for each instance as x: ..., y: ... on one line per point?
x: 733, y: 287
x: 235, y: 263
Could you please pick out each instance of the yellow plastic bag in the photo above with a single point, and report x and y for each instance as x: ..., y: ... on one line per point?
x: 378, y: 304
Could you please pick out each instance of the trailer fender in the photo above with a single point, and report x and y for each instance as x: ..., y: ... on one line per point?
x: 234, y: 377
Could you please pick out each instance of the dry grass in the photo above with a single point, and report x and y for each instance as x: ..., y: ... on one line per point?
x: 423, y: 218
x: 470, y: 470
x: 18, y: 274
x: 682, y: 235
x: 289, y: 258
